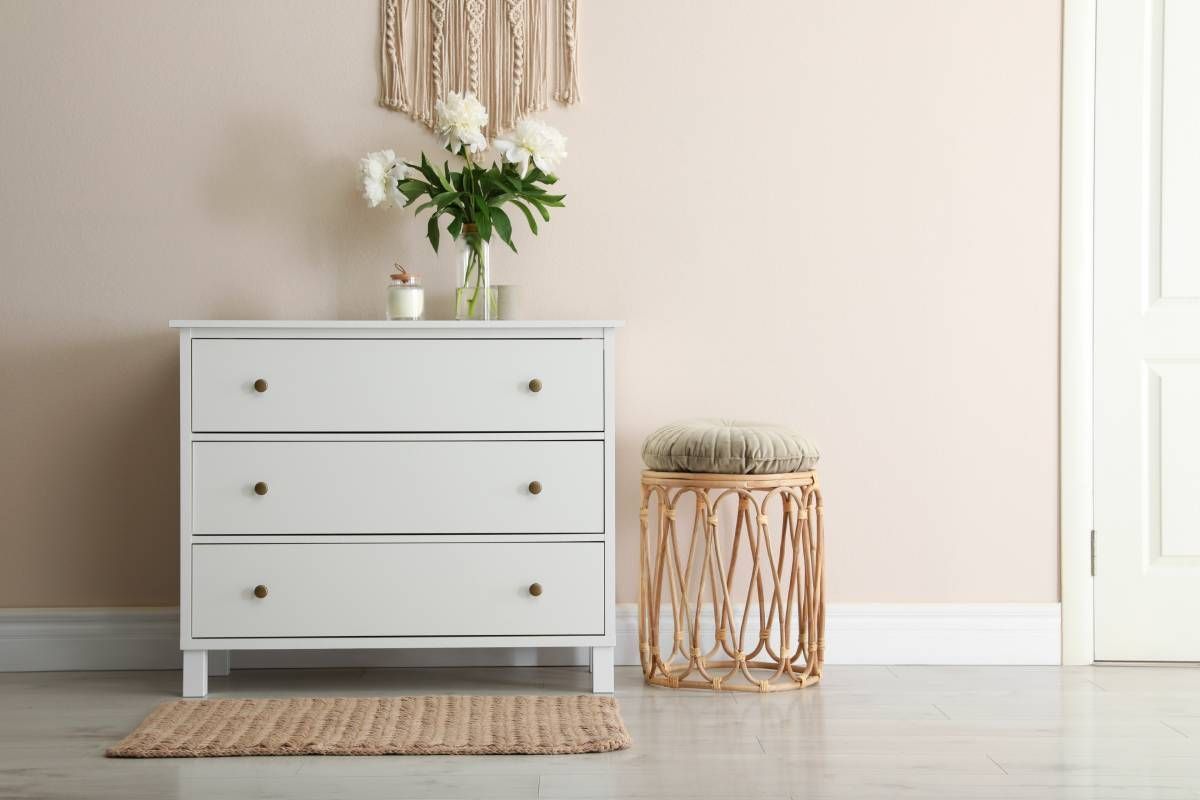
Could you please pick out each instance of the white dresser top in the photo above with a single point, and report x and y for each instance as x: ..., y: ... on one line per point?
x: 380, y: 324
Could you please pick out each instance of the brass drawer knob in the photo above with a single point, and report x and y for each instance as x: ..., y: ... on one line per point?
x: 535, y: 487
x: 260, y: 488
x: 535, y: 589
x: 535, y: 385
x: 260, y: 386
x: 260, y: 591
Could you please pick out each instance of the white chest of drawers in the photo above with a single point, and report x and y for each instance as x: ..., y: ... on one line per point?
x: 393, y: 485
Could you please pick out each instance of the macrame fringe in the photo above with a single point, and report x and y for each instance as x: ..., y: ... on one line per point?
x: 567, y: 88
x: 508, y: 52
x: 393, y: 86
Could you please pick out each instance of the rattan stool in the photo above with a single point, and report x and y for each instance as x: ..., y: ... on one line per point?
x: 740, y: 610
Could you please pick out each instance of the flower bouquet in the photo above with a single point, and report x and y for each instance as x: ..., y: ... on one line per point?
x: 474, y: 196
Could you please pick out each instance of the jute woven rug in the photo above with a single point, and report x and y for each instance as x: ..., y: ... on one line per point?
x: 425, y: 725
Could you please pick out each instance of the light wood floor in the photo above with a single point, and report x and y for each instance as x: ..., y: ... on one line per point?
x: 866, y: 732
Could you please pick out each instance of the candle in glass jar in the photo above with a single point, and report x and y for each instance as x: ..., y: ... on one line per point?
x: 405, y: 296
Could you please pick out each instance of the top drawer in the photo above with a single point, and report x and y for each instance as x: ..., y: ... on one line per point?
x: 419, y: 385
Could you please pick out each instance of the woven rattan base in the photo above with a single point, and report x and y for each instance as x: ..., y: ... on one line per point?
x: 736, y: 601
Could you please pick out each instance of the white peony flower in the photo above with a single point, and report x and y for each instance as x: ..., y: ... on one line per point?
x: 402, y: 171
x: 533, y: 139
x: 460, y: 121
x: 381, y: 172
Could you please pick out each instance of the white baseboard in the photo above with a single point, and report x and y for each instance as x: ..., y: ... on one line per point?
x: 944, y: 633
x: 42, y: 639
x: 872, y: 633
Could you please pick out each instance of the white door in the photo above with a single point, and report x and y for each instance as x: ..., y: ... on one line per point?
x: 1147, y: 330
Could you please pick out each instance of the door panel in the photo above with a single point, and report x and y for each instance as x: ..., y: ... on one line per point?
x: 1147, y: 331
x: 1174, y: 448
x: 1180, y: 267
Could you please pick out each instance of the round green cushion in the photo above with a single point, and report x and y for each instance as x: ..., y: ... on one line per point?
x: 728, y: 447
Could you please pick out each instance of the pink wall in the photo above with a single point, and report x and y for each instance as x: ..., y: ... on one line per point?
x: 840, y: 214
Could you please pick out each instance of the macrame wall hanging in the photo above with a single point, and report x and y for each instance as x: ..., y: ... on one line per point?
x: 513, y: 54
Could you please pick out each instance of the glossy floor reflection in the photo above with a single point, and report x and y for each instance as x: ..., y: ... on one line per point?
x: 865, y: 732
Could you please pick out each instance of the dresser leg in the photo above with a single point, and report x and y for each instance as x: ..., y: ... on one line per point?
x: 603, y: 674
x: 195, y: 673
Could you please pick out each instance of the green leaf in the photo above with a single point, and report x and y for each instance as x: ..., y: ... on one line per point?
x: 503, y: 226
x: 436, y: 182
x: 445, y: 198
x: 444, y: 177
x: 423, y: 206
x: 493, y: 182
x: 412, y: 189
x: 483, y: 219
x: 454, y: 227
x: 428, y: 171
x: 432, y: 231
x: 555, y: 200
x: 511, y: 180
x: 528, y: 215
x: 537, y: 176
x: 541, y: 208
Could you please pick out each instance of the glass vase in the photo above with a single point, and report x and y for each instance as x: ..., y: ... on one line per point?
x: 475, y: 297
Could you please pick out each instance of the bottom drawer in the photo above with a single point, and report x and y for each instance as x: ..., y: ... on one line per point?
x: 457, y: 589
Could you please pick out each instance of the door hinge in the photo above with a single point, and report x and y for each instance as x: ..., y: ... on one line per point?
x: 1093, y: 553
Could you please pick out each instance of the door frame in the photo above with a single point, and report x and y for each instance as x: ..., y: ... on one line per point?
x: 1075, y: 421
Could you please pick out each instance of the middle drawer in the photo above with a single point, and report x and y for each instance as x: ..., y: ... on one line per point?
x: 251, y: 488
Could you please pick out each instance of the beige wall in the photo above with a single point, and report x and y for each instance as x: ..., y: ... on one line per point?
x: 837, y: 214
